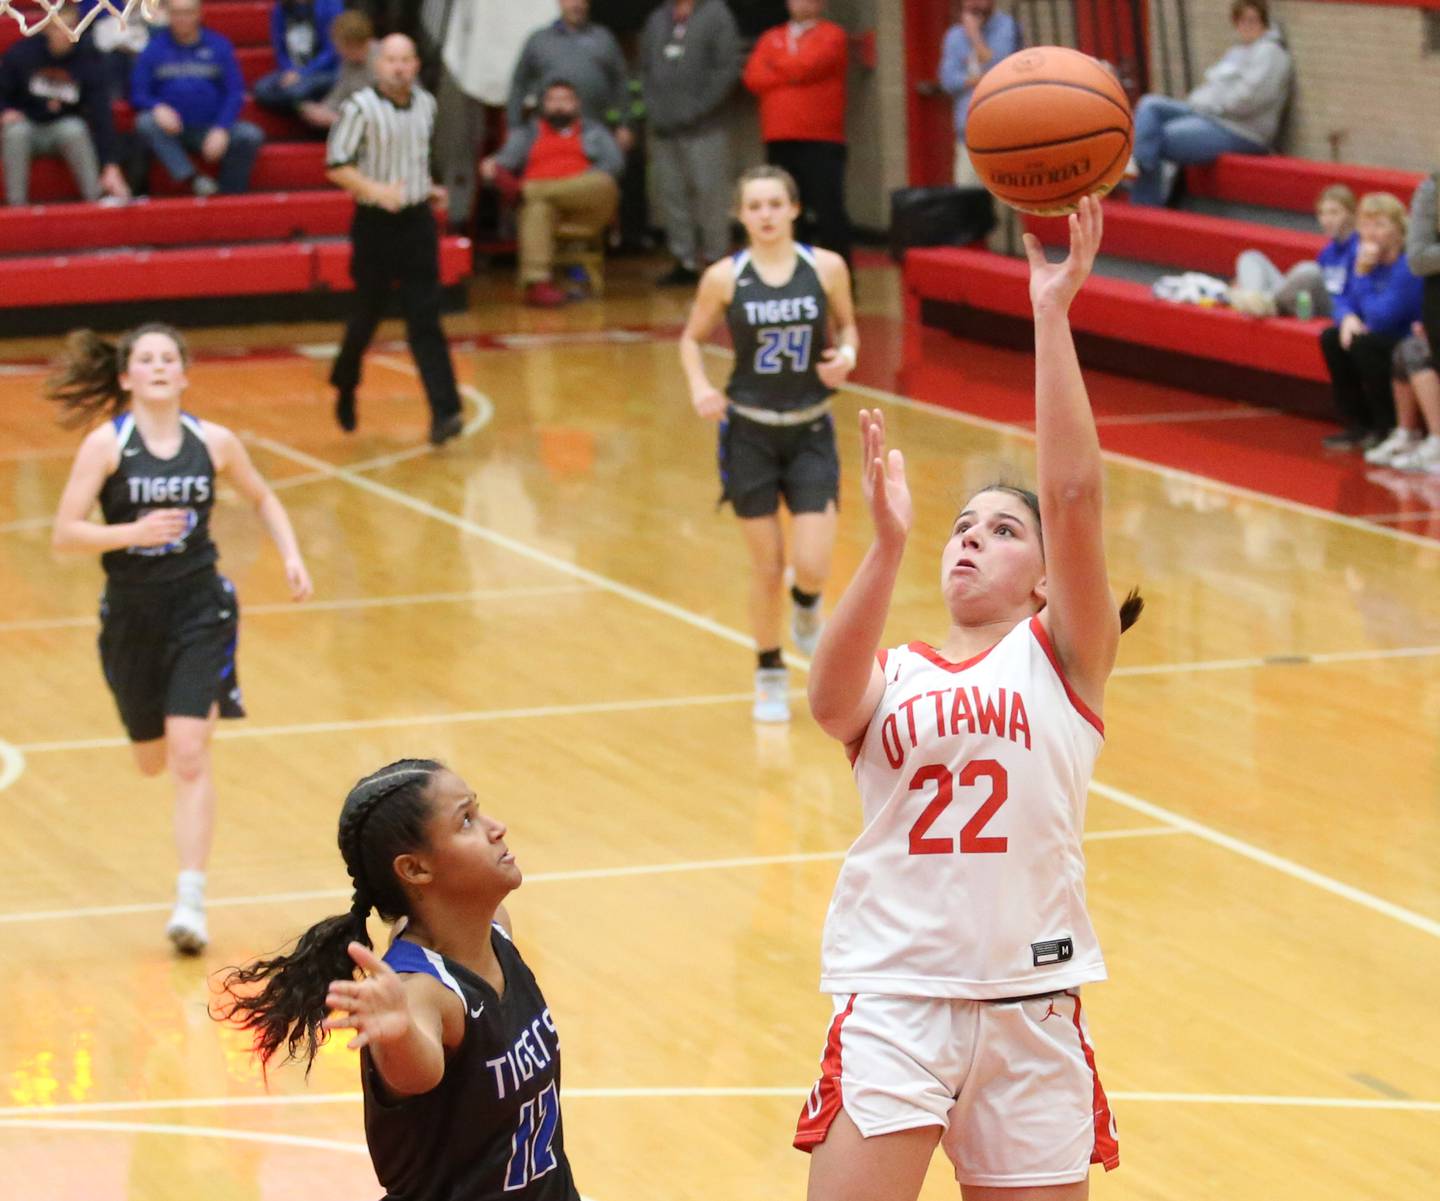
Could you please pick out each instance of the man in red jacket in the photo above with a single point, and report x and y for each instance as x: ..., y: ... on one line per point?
x: 798, y: 71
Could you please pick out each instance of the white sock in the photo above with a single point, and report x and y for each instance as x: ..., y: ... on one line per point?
x: 190, y: 886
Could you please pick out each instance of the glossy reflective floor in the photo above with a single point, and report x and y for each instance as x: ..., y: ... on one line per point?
x: 553, y: 605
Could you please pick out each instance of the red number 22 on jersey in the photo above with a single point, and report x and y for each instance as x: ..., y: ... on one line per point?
x: 972, y: 842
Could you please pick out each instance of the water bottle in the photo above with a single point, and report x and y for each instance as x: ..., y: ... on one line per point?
x: 1304, y: 305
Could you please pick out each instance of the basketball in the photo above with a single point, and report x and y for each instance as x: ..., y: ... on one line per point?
x: 1047, y: 126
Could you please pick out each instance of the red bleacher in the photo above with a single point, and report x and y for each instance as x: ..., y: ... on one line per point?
x: 1125, y: 312
x: 284, y: 236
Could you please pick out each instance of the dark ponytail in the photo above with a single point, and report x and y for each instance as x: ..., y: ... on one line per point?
x: 1133, y: 604
x: 85, y: 381
x: 383, y: 816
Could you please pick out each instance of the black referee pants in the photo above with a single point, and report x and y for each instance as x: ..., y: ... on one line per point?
x: 819, y: 169
x: 389, y: 249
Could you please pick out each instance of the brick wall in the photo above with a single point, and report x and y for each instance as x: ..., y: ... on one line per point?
x: 1362, y: 76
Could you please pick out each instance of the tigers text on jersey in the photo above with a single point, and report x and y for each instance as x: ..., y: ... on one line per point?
x: 968, y: 879
x: 491, y: 1128
x: 143, y: 482
x: 779, y: 335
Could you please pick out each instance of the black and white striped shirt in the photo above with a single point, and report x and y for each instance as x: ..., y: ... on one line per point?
x: 385, y: 141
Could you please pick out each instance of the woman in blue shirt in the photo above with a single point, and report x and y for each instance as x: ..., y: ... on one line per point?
x: 1381, y: 301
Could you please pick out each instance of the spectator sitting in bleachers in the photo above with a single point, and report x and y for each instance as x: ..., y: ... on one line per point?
x: 565, y: 169
x: 188, y: 91
x: 1236, y: 110
x: 54, y: 101
x: 575, y: 48
x: 1263, y: 290
x: 306, y: 56
x: 121, y: 43
x: 974, y: 44
x: 353, y: 37
x: 1380, y: 304
x: 1414, y: 443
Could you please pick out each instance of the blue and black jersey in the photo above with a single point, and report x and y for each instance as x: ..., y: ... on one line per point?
x: 144, y: 482
x: 491, y: 1129
x: 779, y: 335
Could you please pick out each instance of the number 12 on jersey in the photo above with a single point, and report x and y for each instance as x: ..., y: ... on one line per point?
x: 972, y: 842
x: 530, y: 1153
x: 790, y: 341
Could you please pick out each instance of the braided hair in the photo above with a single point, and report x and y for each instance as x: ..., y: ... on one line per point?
x: 1133, y: 604
x: 384, y: 815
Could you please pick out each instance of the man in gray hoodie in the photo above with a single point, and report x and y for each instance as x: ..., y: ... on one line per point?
x: 690, y: 61
x: 1236, y: 110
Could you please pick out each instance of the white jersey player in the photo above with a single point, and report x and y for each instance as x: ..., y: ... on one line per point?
x: 957, y: 937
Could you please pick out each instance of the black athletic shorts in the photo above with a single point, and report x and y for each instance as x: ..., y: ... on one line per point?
x: 168, y: 650
x: 761, y: 463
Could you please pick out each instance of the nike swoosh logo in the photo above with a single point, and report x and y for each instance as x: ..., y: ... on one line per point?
x: 475, y: 1013
x: 134, y: 450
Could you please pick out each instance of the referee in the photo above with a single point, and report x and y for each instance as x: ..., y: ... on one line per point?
x: 379, y: 152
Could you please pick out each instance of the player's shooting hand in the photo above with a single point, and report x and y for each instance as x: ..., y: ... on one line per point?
x: 301, y: 589
x: 709, y: 402
x: 375, y: 1006
x: 886, y: 490
x: 834, y: 368
x: 160, y: 527
x: 1054, y: 285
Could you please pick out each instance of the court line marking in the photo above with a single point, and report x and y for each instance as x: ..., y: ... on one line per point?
x: 12, y: 764
x: 229, y: 732
x: 555, y: 877
x: 1298, y: 871
x: 524, y: 550
x: 1349, y: 892
x: 328, y: 606
x: 21, y: 1117
x: 1299, y: 659
x: 230, y: 1135
x: 1246, y: 414
x: 25, y: 524
x: 1114, y: 456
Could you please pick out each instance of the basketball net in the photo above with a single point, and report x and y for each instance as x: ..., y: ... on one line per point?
x: 34, y: 15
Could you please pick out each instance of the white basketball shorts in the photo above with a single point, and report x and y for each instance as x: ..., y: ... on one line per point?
x: 1012, y: 1084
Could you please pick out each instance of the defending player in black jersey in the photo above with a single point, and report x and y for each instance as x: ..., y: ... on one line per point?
x: 460, y: 1059
x: 169, y: 621
x: 792, y: 322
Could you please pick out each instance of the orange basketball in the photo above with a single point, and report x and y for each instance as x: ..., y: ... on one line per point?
x: 1047, y: 126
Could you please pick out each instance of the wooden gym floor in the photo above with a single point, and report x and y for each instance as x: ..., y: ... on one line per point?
x: 553, y: 605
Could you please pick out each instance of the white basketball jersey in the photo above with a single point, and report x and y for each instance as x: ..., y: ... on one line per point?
x: 968, y: 879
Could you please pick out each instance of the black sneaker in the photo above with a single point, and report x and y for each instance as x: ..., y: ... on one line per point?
x: 679, y: 276
x: 446, y: 428
x: 345, y: 410
x: 1344, y: 440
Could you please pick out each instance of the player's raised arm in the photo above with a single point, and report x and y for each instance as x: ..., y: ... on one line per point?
x: 1080, y: 611
x: 845, y: 679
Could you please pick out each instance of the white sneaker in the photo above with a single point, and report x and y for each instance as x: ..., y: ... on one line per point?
x: 772, y: 694
x: 805, y: 625
x: 186, y: 928
x: 1396, y: 442
x: 1419, y: 456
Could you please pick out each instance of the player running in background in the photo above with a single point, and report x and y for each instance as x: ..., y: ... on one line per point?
x: 168, y: 620
x: 792, y: 321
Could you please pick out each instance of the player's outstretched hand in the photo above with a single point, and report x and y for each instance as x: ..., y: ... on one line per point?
x: 886, y: 490
x: 375, y: 1006
x: 161, y: 527
x: 1053, y: 285
x: 301, y: 589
